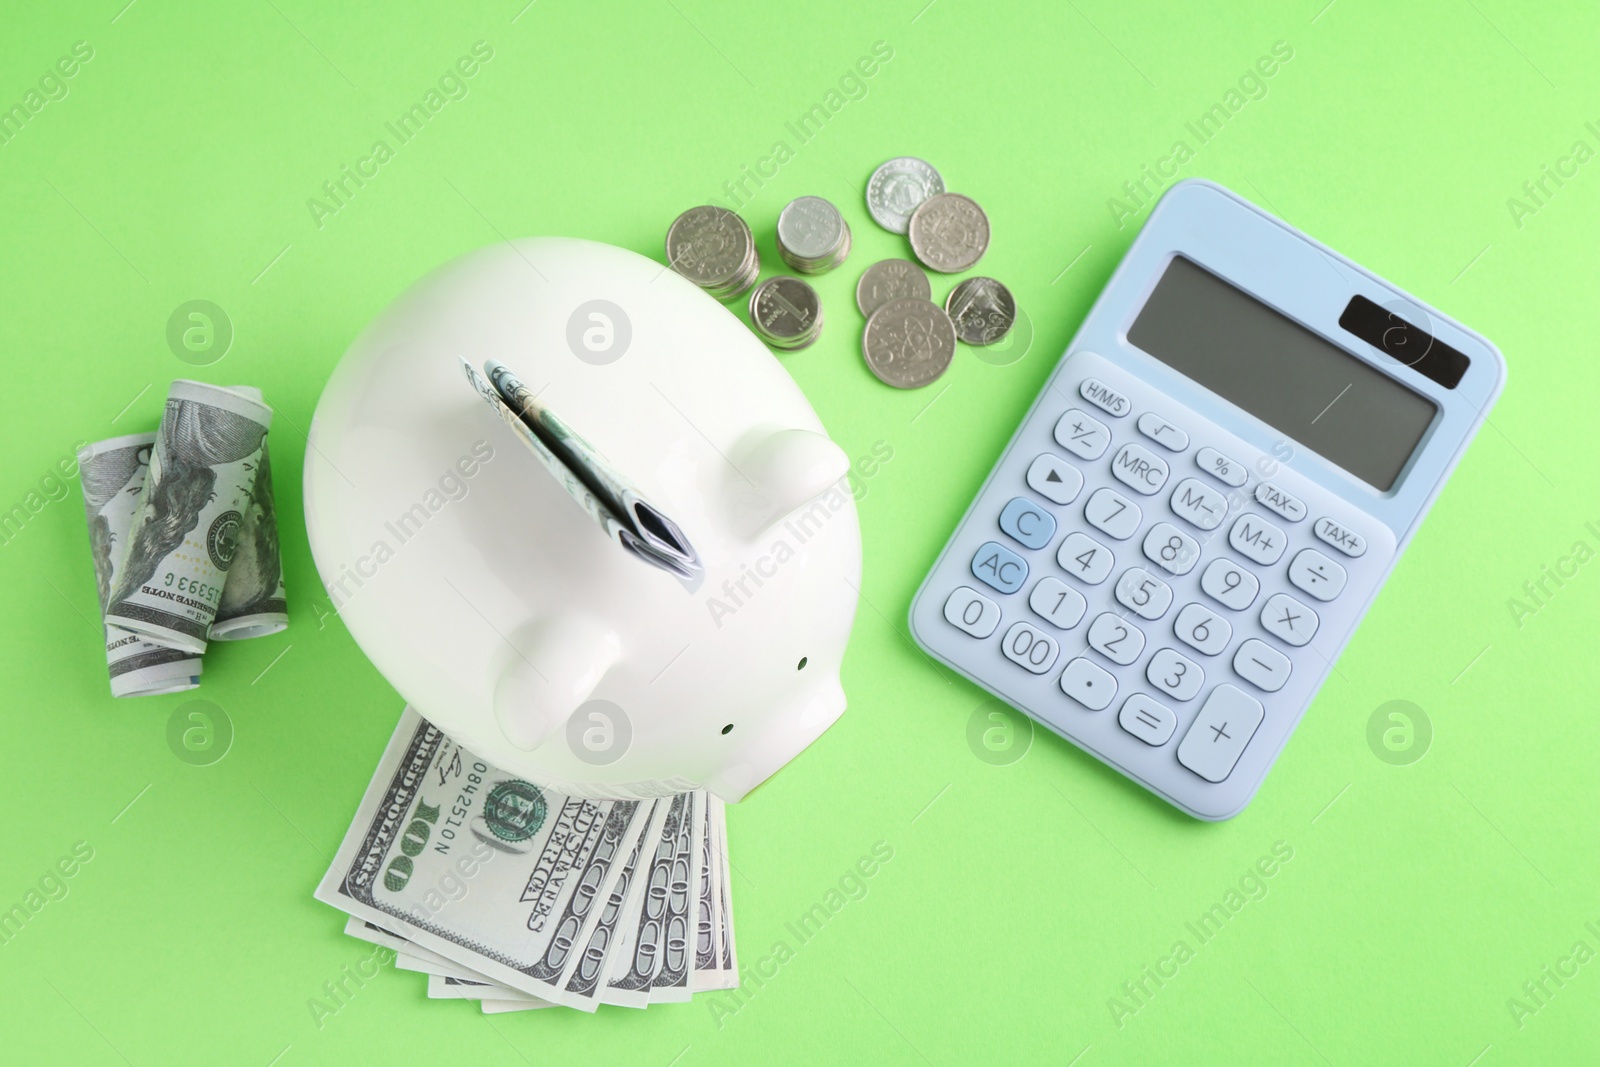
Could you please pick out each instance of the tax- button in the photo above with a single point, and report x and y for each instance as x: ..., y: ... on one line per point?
x: 1344, y: 539
x: 1315, y: 573
x: 1138, y: 467
x: 1257, y: 538
x: 1226, y: 723
x: 1054, y: 479
x: 1162, y: 432
x: 998, y: 567
x: 1290, y: 507
x: 1031, y: 525
x: 1104, y: 397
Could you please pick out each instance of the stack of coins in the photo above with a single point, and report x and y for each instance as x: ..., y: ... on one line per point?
x: 712, y: 247
x: 786, y: 313
x: 812, y: 236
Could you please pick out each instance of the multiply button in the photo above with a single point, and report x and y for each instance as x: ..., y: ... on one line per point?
x: 1290, y: 507
x: 1031, y: 525
x: 1139, y: 468
x: 996, y: 565
x: 1257, y: 538
x: 1082, y: 434
x: 1104, y: 397
x: 1315, y: 573
x: 1226, y: 723
x: 1162, y: 432
x: 1344, y: 539
x: 1054, y: 479
x: 1288, y: 620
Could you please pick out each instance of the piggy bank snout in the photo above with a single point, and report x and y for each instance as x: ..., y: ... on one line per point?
x: 790, y: 730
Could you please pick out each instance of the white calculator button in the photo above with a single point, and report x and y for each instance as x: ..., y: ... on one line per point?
x: 1104, y: 397
x: 1199, y: 504
x: 1225, y: 470
x: 1288, y: 620
x: 1026, y: 523
x: 1341, y: 537
x: 1143, y: 593
x: 1117, y: 639
x: 1202, y: 629
x: 1175, y: 674
x: 1084, y: 558
x: 971, y: 611
x: 1261, y: 665
x: 1057, y: 603
x: 1054, y: 479
x: 1147, y: 720
x: 1088, y: 685
x: 1163, y: 432
x: 1113, y: 513
x: 1171, y: 549
x: 1229, y: 584
x: 1082, y: 434
x: 1139, y: 468
x: 1257, y: 538
x: 1315, y: 573
x: 1271, y: 496
x: 1029, y: 647
x: 1226, y: 723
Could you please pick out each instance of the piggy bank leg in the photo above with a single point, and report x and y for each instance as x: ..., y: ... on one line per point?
x: 555, y: 666
x: 781, y: 470
x: 793, y: 727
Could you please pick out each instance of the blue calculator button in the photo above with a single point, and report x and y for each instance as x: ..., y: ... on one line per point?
x: 997, y: 566
x: 1029, y: 524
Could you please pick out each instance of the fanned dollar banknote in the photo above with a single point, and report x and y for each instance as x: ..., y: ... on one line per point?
x: 608, y: 498
x: 518, y: 897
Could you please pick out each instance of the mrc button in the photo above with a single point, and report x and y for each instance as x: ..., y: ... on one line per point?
x: 1104, y: 397
x: 1341, y: 537
x: 1139, y: 468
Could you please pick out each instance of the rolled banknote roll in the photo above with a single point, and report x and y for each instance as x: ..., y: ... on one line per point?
x: 253, y: 602
x: 113, y: 476
x: 187, y: 526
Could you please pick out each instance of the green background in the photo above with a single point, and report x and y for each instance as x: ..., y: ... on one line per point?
x: 1026, y: 886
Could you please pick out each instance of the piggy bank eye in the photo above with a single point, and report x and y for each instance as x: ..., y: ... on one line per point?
x: 801, y: 665
x: 728, y: 728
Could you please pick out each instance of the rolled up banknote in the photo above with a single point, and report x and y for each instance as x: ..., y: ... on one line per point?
x: 253, y: 603
x: 113, y: 475
x: 187, y: 526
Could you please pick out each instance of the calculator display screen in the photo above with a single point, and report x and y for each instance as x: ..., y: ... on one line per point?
x: 1277, y: 370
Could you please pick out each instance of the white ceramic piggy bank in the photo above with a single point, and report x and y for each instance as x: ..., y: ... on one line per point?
x: 497, y: 606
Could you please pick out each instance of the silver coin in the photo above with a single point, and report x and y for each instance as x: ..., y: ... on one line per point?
x: 909, y: 342
x: 982, y: 309
x: 811, y: 228
x: 890, y: 279
x: 712, y: 247
x: 897, y: 188
x: 949, y: 233
x: 786, y: 312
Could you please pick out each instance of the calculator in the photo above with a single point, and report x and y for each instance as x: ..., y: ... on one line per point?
x: 1205, y: 498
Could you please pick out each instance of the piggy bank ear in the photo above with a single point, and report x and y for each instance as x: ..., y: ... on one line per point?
x: 556, y: 666
x: 781, y: 471
x: 781, y: 734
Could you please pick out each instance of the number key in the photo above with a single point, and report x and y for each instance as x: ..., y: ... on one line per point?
x: 1176, y: 675
x: 1171, y: 549
x: 1084, y: 558
x: 971, y: 611
x: 1202, y: 629
x: 1029, y: 647
x: 1118, y: 640
x: 1230, y: 584
x: 1057, y: 603
x: 1112, y: 513
x: 1143, y: 593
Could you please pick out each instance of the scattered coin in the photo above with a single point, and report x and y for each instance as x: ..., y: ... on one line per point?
x: 897, y: 188
x: 812, y: 236
x: 890, y: 279
x: 908, y: 342
x: 786, y: 312
x: 949, y: 233
x: 712, y: 247
x: 982, y: 310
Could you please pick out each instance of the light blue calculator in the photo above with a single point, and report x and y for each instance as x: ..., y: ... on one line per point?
x: 1201, y: 504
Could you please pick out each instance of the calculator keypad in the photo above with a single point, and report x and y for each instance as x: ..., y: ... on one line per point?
x: 1152, y: 581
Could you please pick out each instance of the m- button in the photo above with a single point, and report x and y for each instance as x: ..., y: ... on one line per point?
x: 1138, y: 467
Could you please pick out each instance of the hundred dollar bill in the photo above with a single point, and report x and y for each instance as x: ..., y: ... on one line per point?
x: 608, y: 498
x: 186, y: 528
x: 658, y: 914
x: 253, y: 602
x: 475, y: 865
x: 441, y: 988
x: 113, y: 474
